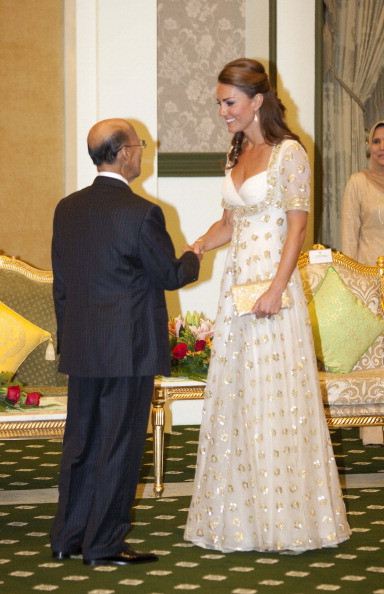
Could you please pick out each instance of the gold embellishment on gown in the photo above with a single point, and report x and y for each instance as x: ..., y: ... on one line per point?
x: 241, y: 211
x: 294, y: 202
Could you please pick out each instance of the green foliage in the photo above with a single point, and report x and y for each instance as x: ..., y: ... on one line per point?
x: 190, y: 340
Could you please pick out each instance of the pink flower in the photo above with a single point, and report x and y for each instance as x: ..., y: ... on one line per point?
x: 180, y: 350
x: 13, y: 393
x: 175, y: 325
x: 204, y: 331
x: 199, y: 345
x: 33, y: 399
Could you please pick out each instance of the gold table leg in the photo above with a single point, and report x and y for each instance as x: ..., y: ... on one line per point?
x: 158, y: 421
x: 160, y: 395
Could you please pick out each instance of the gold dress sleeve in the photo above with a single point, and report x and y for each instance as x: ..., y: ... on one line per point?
x: 294, y: 177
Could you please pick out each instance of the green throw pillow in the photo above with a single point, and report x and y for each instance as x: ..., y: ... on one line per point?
x: 343, y: 327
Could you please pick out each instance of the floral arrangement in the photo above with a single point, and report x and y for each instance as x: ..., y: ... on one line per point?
x: 190, y: 342
x: 13, y: 397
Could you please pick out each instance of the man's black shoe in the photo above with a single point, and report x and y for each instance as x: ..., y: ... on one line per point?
x: 126, y: 558
x: 62, y: 555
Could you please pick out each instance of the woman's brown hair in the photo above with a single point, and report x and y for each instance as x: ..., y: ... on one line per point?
x: 249, y: 76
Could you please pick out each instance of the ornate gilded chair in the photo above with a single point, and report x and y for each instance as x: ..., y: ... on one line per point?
x: 27, y: 291
x: 355, y: 397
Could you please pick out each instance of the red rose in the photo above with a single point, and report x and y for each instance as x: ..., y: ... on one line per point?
x: 199, y: 345
x: 180, y: 350
x: 33, y: 399
x: 13, y: 393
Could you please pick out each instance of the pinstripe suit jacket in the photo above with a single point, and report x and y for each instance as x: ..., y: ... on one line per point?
x: 112, y: 260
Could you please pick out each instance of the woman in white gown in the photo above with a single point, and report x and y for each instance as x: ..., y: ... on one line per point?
x: 266, y: 477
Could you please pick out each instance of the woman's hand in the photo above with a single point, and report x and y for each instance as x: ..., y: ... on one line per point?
x: 268, y: 304
x: 199, y: 247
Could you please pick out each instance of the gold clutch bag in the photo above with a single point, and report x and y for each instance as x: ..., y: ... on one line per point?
x: 245, y: 296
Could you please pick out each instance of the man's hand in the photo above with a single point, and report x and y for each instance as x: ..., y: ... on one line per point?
x: 189, y: 248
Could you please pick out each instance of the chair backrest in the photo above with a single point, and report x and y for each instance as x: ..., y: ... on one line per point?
x: 366, y: 282
x: 28, y: 291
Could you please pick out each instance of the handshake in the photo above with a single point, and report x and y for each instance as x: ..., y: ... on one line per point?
x: 198, y: 248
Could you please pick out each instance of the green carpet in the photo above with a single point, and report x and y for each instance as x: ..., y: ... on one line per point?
x: 355, y: 566
x: 350, y: 454
x: 34, y: 464
x: 26, y: 564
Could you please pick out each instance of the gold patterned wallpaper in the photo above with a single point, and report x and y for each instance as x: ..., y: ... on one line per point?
x: 32, y: 126
x: 196, y: 38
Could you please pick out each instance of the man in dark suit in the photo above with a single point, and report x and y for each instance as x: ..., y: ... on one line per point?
x: 112, y: 260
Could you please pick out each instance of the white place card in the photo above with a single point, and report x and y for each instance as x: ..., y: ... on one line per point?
x: 320, y: 256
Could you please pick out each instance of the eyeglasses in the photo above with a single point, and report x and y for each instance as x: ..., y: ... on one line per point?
x: 142, y: 144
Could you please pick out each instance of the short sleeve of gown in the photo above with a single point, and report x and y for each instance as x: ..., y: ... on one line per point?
x: 294, y: 177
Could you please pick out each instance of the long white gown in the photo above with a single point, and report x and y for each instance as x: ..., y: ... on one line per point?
x: 266, y: 477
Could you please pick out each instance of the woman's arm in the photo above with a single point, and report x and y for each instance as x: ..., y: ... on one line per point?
x: 270, y: 302
x: 217, y: 235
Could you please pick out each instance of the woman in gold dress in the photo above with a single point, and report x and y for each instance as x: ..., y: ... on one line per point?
x: 362, y: 224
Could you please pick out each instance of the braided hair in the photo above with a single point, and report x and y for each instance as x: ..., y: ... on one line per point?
x: 249, y: 76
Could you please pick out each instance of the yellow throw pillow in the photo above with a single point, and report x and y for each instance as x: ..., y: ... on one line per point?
x: 343, y: 326
x: 18, y: 338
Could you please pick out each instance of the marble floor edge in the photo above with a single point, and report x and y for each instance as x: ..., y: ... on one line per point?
x: 145, y: 491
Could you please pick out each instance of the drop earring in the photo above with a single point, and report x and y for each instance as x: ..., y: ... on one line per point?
x: 256, y: 119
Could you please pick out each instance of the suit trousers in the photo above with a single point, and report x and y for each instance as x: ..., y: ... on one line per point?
x: 104, y: 439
